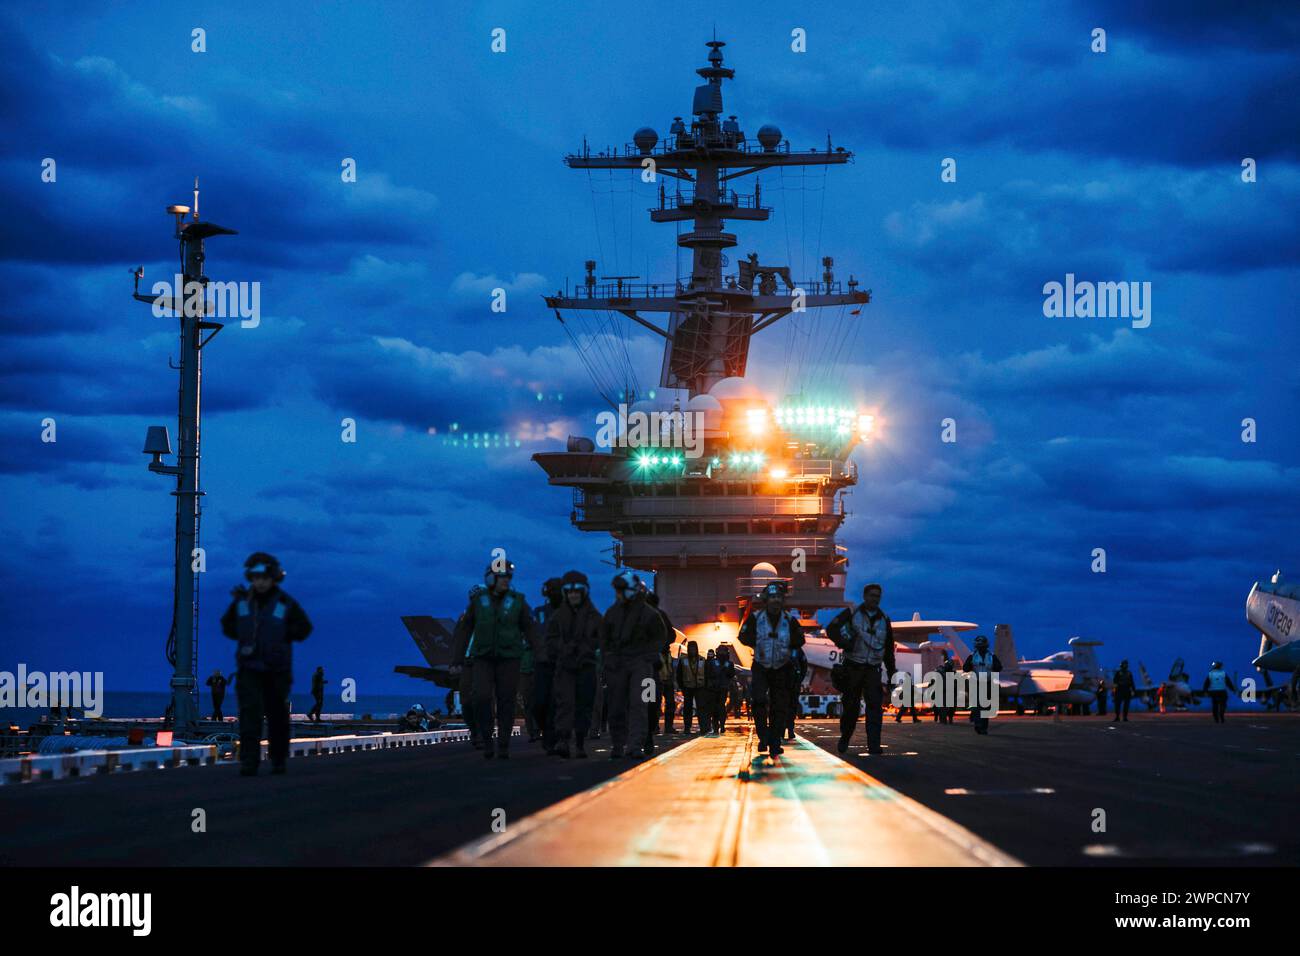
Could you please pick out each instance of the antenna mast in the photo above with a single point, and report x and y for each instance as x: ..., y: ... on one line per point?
x: 712, y: 317
x: 188, y: 303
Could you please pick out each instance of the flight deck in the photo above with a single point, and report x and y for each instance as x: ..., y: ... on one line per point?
x: 1175, y: 790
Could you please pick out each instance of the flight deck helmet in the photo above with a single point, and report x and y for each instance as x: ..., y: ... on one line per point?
x: 574, y: 580
x: 626, y: 580
x: 981, y: 643
x: 259, y: 562
x: 491, y: 574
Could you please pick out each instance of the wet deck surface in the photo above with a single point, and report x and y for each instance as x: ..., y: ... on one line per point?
x: 393, y: 807
x: 716, y: 802
x: 1176, y: 790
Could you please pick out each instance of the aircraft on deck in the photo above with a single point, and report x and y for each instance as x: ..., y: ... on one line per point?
x: 433, y: 636
x: 1179, y: 693
x: 1066, y: 677
x: 915, y: 644
x: 1273, y: 609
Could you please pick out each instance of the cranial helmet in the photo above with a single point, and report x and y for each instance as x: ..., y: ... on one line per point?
x: 574, y: 581
x: 776, y: 589
x: 626, y: 580
x: 491, y: 574
x: 259, y: 562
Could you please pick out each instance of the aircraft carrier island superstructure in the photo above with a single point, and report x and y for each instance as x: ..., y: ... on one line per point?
x: 765, y: 486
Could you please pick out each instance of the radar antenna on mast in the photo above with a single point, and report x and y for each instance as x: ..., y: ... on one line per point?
x: 711, y: 317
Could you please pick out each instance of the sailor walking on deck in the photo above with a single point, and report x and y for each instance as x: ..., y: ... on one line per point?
x: 572, y: 637
x: 542, y: 705
x: 907, y: 691
x: 981, y: 662
x: 944, y: 704
x: 719, y: 674
x: 217, y: 682
x: 1216, y: 685
x: 774, y: 635
x: 633, y: 632
x: 665, y: 704
x: 690, y: 678
x: 705, y: 698
x: 1123, y: 691
x: 866, y: 636
x: 318, y: 683
x: 266, y: 622
x: 500, y: 626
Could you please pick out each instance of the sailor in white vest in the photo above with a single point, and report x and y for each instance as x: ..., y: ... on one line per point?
x: 1216, y: 685
x: 865, y: 637
x: 982, y: 661
x: 774, y: 635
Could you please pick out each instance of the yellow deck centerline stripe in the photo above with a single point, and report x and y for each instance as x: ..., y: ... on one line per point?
x: 733, y: 824
x: 781, y: 813
x: 475, y: 850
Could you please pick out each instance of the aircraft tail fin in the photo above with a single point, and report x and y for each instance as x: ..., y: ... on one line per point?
x: 1146, y: 678
x: 959, y: 649
x: 1004, y: 645
x: 1085, y: 658
x: 433, y: 636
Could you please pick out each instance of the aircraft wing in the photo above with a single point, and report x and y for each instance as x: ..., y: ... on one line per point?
x: 915, y: 631
x: 1035, y: 683
x: 1040, y: 682
x: 438, y: 675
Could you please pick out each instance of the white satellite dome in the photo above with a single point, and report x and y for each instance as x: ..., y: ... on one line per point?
x: 710, y: 407
x: 731, y: 389
x: 763, y: 569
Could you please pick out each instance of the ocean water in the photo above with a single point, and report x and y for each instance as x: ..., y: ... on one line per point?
x: 122, y: 704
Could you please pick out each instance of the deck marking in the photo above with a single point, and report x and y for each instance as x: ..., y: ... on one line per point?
x: 743, y: 809
x: 477, y: 849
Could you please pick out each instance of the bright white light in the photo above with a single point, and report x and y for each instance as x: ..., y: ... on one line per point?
x: 757, y: 420
x: 778, y: 473
x: 865, y: 424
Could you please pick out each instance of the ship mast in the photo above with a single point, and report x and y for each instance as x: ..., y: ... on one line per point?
x: 762, y: 493
x: 711, y: 317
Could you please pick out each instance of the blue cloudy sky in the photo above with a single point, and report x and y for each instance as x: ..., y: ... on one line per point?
x: 1073, y: 433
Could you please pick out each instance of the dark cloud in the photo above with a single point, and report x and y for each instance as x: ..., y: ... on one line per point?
x: 1195, y: 25
x: 79, y: 455
x: 1042, y: 91
x: 114, y: 174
